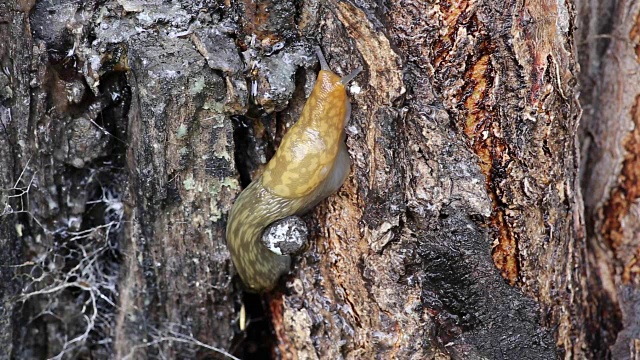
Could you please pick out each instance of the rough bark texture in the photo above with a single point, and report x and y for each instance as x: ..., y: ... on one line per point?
x: 611, y: 172
x: 120, y: 128
x: 127, y: 128
x: 477, y: 157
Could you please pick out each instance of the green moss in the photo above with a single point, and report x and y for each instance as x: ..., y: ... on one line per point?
x: 189, y: 183
x: 215, y: 106
x: 214, y: 190
x: 231, y: 183
x: 197, y: 86
x: 182, y: 131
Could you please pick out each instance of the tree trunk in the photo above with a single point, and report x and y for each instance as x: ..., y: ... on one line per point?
x: 128, y: 127
x: 610, y: 133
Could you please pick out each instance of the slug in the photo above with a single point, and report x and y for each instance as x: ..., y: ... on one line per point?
x: 311, y: 163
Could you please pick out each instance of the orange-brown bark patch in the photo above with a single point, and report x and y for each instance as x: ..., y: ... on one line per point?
x: 277, y: 320
x: 624, y: 195
x: 257, y: 20
x: 451, y: 12
x: 631, y: 271
x: 490, y: 149
x: 634, y: 36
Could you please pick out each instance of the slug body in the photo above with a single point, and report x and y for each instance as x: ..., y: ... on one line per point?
x: 311, y: 163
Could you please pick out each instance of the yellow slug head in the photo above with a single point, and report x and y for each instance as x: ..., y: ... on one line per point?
x: 308, y: 150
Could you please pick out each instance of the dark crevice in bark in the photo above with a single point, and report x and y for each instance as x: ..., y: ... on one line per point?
x: 258, y: 339
x: 242, y: 141
x: 605, y: 322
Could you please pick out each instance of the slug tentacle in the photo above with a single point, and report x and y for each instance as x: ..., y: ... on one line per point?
x: 325, y: 66
x: 350, y: 76
x: 311, y: 163
x: 323, y: 62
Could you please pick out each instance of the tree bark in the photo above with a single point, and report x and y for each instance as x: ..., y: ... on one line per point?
x: 128, y: 127
x: 610, y: 136
x: 477, y: 158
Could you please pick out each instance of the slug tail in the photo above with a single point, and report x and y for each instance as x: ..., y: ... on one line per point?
x: 254, y: 209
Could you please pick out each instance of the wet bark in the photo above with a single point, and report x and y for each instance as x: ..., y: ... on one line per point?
x: 127, y: 128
